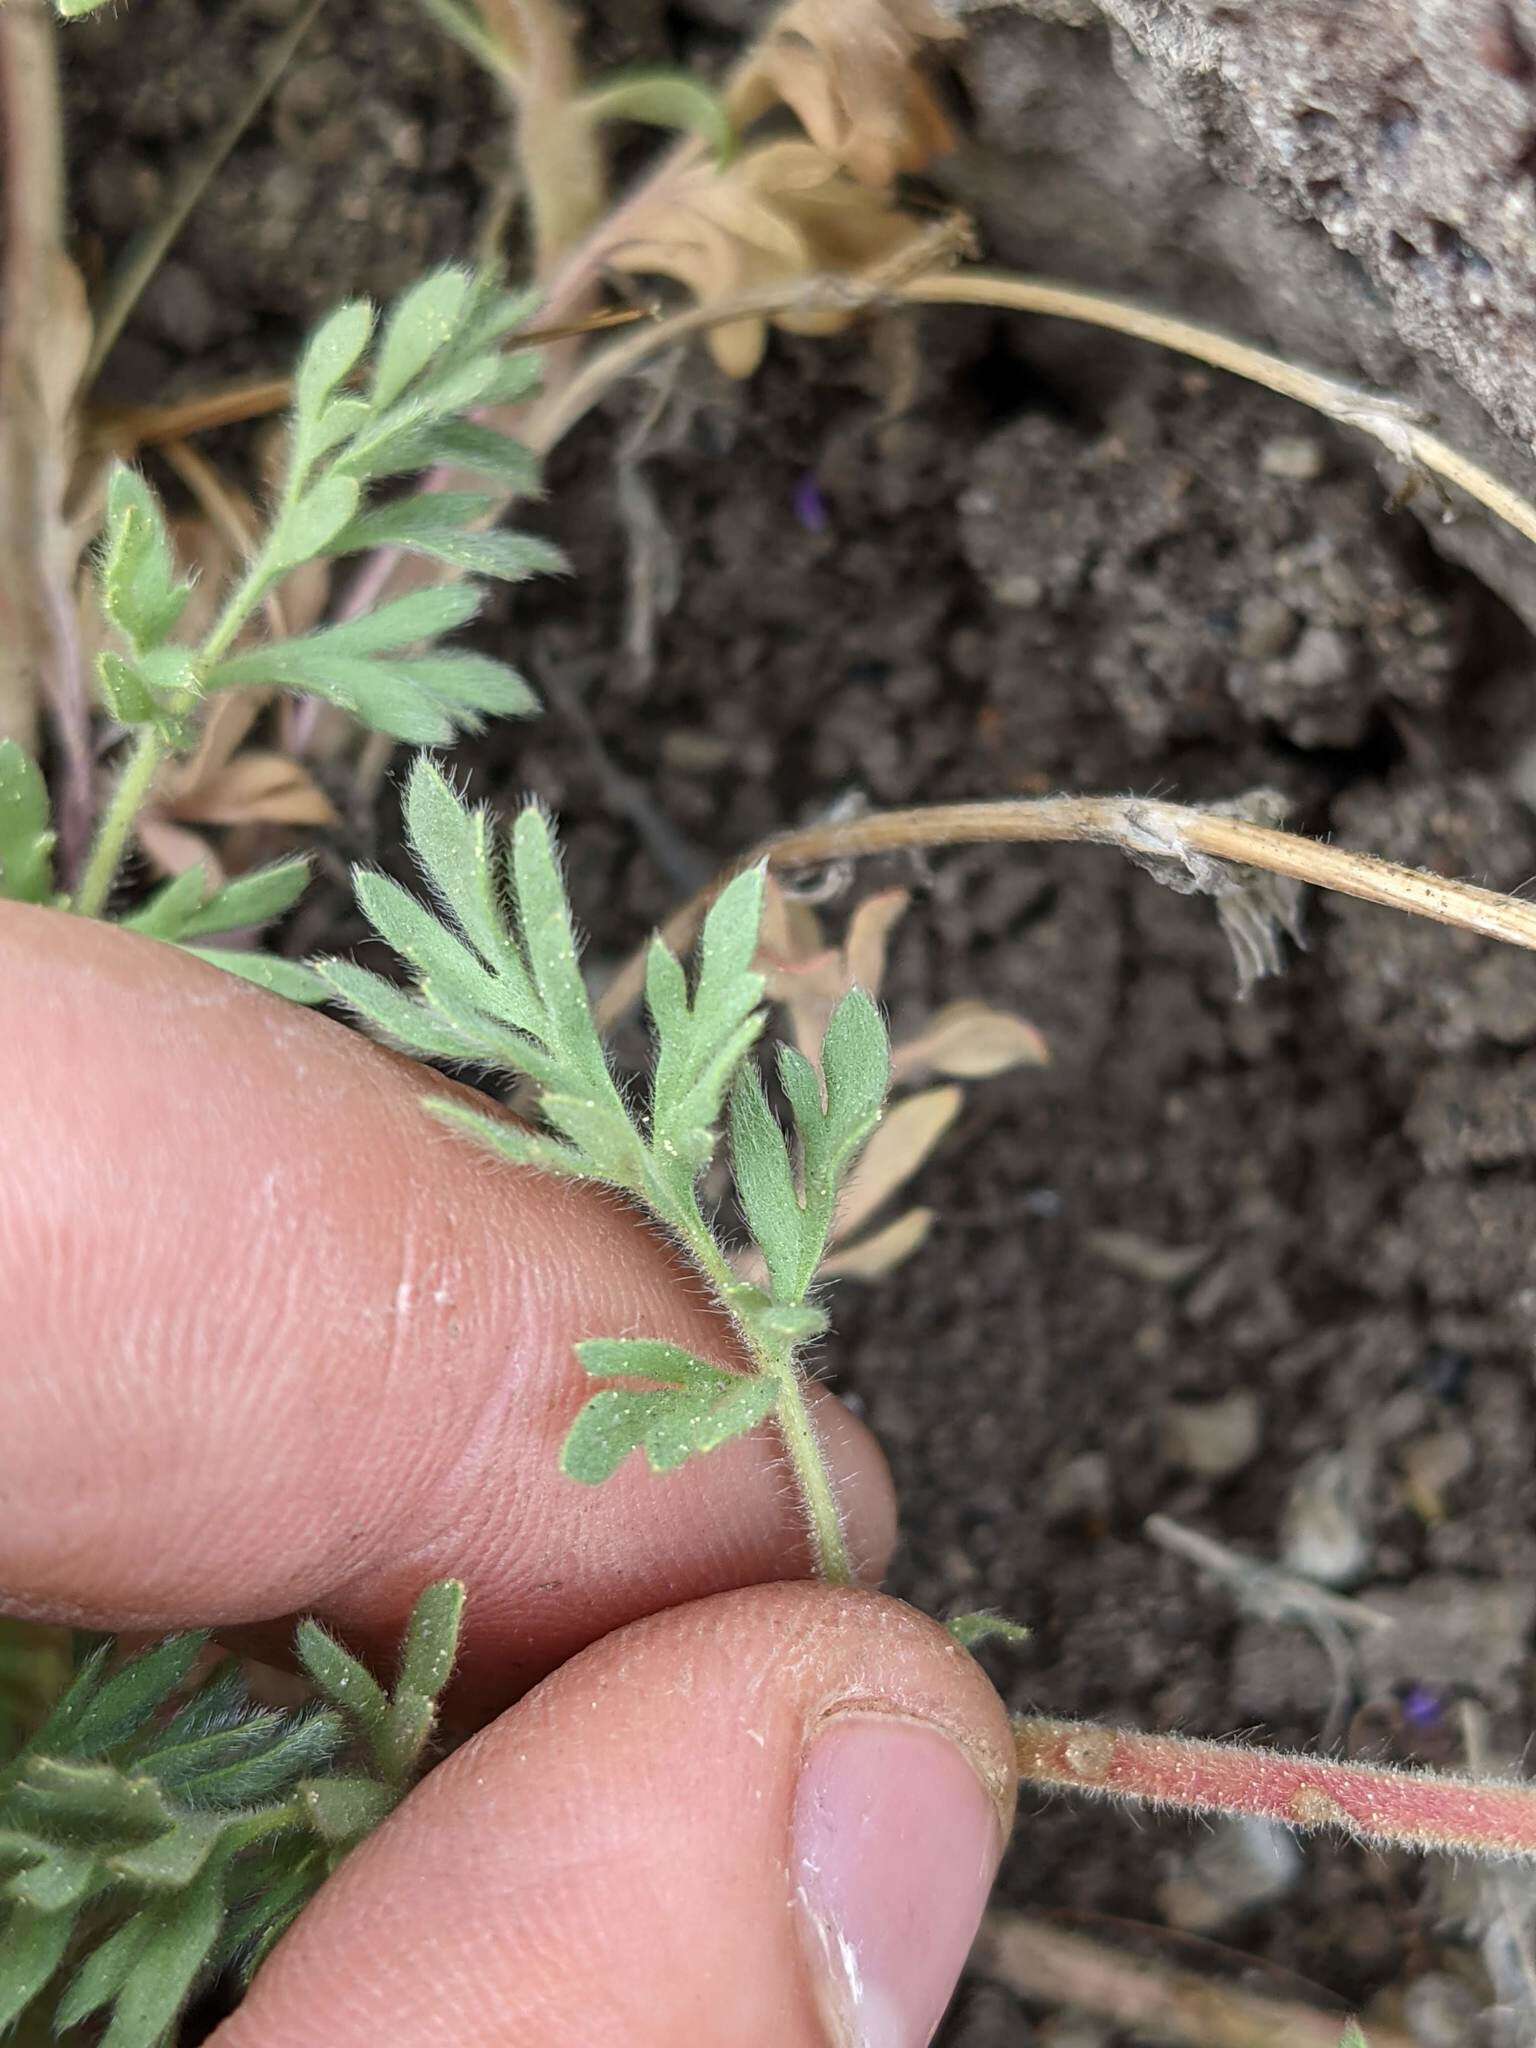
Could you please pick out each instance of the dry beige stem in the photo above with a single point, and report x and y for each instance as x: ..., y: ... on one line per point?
x: 45, y: 338
x: 561, y: 164
x: 1139, y: 826
x: 1161, y: 2003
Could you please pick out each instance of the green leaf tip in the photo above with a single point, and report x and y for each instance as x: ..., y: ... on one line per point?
x: 665, y: 99
x: 984, y: 1626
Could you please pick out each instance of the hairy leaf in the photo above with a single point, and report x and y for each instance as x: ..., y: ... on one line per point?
x: 290, y: 979
x: 140, y: 590
x: 694, y: 1407
x: 765, y: 1180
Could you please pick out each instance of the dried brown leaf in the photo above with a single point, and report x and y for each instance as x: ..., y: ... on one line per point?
x: 219, y: 785
x: 807, y: 977
x: 970, y: 1040
x: 898, y: 1148
x: 869, y: 933
x: 780, y: 212
x: 848, y: 70
x: 882, y: 1251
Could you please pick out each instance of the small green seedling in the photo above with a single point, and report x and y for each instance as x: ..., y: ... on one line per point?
x: 159, y: 1825
x: 498, y: 987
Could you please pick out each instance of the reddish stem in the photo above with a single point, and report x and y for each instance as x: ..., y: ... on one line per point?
x: 1405, y: 1809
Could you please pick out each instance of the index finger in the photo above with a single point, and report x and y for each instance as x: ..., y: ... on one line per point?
x: 274, y: 1340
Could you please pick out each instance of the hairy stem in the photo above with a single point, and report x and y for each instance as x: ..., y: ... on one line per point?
x: 1138, y: 825
x: 128, y: 799
x: 1390, y: 1808
x: 824, y: 1524
x: 813, y: 1482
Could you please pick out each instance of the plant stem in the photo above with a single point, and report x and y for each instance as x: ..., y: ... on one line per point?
x: 1146, y: 1994
x: 823, y: 1522
x: 128, y: 799
x: 1391, y: 1808
x: 1136, y: 825
x: 149, y: 750
x: 1395, y: 425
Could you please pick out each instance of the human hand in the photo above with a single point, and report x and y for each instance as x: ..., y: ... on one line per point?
x: 276, y: 1343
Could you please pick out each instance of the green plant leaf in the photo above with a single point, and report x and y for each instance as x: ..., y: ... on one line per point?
x: 665, y: 99
x: 26, y: 834
x: 182, y: 1936
x: 420, y: 326
x: 331, y: 354
x: 983, y: 1626
x: 122, y: 1705
x: 432, y: 1639
x: 140, y: 591
x: 169, y: 911
x: 125, y: 694
x: 32, y: 1946
x: 290, y: 979
x: 480, y: 449
x: 252, y: 899
x: 694, y: 1407
x: 401, y: 1020
x: 549, y: 945
x: 343, y: 1810
x: 856, y: 1060
x: 700, y: 1045
x: 88, y: 1805
x: 347, y: 1684
x: 61, y: 1878
x: 103, y: 1973
x: 310, y: 526
x: 513, y: 1141
x: 765, y: 1181
x: 454, y: 846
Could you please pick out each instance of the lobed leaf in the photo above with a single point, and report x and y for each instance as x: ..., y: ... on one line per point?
x: 252, y: 899
x: 122, y: 1705
x: 702, y: 1409
x: 431, y: 1644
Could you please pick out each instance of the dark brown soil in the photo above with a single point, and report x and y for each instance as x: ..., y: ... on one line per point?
x: 1086, y: 568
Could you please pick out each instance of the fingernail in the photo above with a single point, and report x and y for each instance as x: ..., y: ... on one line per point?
x: 895, y: 1845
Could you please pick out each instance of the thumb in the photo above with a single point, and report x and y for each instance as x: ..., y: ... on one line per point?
x: 770, y: 1817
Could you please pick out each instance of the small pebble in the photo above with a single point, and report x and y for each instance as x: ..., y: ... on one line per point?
x: 1295, y: 458
x: 1213, y: 1438
x: 1322, y: 1531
